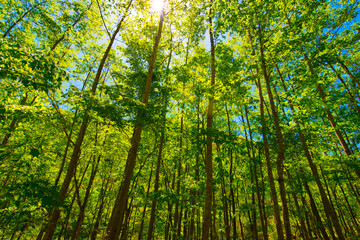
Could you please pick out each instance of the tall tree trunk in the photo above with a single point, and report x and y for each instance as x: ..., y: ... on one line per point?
x: 352, y: 214
x: 273, y: 194
x: 352, y: 77
x: 332, y: 122
x: 315, y: 211
x: 280, y: 142
x: 69, y: 141
x: 124, y: 232
x: 95, y: 228
x: 179, y: 167
x: 116, y: 219
x: 262, y: 216
x: 76, y: 231
x: 251, y: 162
x: 145, y: 206
x: 304, y: 232
x: 208, y: 160
x: 158, y: 164
x: 330, y: 213
x: 50, y: 229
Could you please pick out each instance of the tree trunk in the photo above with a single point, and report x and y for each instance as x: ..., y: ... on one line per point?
x: 330, y: 213
x: 208, y: 160
x: 262, y: 215
x: 145, y: 206
x: 280, y: 143
x: 352, y: 77
x: 352, y: 98
x: 20, y: 19
x: 179, y: 167
x: 118, y: 211
x: 95, y: 228
x: 251, y: 162
x: 157, y: 173
x: 316, y: 212
x: 76, y: 231
x: 304, y: 232
x: 50, y: 229
x: 332, y: 122
x: 274, y: 199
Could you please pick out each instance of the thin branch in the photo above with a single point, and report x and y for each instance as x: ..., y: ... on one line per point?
x: 102, y: 18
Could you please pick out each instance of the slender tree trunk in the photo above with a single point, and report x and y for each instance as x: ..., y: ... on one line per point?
x: 75, y: 197
x: 95, y: 228
x: 65, y: 222
x: 345, y: 224
x: 330, y: 213
x: 124, y: 233
x: 352, y: 214
x: 76, y: 231
x: 240, y: 222
x: 225, y: 207
x: 157, y: 173
x: 316, y: 212
x: 117, y: 215
x: 209, y: 174
x: 262, y: 216
x: 332, y: 122
x: 145, y: 206
x: 50, y: 229
x: 352, y: 98
x: 280, y: 143
x: 274, y: 199
x: 352, y: 77
x: 251, y: 162
x: 304, y: 232
x: 273, y: 194
x: 179, y: 167
x: 20, y: 19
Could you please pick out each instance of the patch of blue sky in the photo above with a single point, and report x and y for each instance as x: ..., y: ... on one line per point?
x: 346, y: 25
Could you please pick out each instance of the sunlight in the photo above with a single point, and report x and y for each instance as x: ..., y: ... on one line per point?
x: 157, y: 5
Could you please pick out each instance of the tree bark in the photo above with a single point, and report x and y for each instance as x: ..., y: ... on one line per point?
x: 332, y: 122
x: 158, y: 164
x: 330, y: 213
x: 352, y: 98
x: 20, y: 19
x: 116, y: 219
x: 50, y: 229
x: 208, y: 160
x: 280, y: 143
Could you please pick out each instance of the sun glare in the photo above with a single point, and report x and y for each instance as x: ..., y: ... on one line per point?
x: 157, y: 5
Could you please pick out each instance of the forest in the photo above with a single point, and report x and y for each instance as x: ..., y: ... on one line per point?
x: 179, y: 119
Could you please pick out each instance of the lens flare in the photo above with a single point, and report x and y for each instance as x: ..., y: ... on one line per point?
x: 157, y: 5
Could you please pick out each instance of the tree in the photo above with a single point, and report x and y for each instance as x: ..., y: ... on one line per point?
x: 109, y: 127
